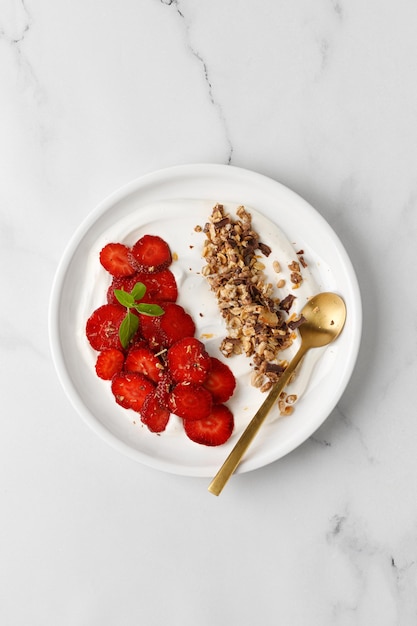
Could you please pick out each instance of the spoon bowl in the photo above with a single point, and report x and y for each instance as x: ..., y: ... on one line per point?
x: 323, y: 319
x: 325, y: 316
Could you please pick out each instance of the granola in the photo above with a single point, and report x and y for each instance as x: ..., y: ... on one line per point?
x: 259, y: 324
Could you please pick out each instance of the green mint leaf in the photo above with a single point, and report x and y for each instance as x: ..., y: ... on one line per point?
x: 128, y: 328
x: 138, y: 291
x: 126, y: 299
x: 149, y: 309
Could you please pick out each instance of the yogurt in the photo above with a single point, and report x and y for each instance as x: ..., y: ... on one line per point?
x: 175, y: 221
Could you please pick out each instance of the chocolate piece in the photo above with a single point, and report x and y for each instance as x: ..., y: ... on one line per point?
x: 266, y: 250
x: 287, y: 302
x: 296, y: 323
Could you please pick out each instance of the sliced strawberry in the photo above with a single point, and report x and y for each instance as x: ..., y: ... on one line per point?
x: 138, y: 341
x: 190, y: 401
x: 130, y: 389
x: 164, y: 388
x: 143, y: 360
x: 220, y: 381
x: 125, y: 283
x: 115, y: 258
x: 102, y: 328
x: 109, y: 362
x: 163, y: 331
x: 176, y: 323
x: 150, y: 329
x: 154, y: 414
x: 160, y: 287
x: 151, y: 254
x: 188, y: 361
x: 213, y: 430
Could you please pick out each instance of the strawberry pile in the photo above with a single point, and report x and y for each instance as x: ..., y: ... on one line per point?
x: 147, y: 347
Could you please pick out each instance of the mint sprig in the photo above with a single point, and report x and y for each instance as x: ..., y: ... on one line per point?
x: 128, y: 328
x: 130, y: 323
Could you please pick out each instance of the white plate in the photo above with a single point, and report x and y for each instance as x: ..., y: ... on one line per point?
x: 80, y: 285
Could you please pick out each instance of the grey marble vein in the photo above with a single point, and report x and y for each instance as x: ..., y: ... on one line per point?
x: 15, y: 30
x: 206, y: 73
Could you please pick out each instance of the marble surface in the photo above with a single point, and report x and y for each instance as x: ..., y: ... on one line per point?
x: 321, y: 96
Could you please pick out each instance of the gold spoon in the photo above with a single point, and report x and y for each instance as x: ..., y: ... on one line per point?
x: 325, y: 316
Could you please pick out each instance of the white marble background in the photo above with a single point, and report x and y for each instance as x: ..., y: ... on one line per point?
x: 321, y: 96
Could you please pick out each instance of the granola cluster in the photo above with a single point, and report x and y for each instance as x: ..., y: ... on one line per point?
x: 258, y: 323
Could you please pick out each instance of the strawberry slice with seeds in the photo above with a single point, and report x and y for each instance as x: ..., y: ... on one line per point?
x: 220, y: 381
x: 142, y: 360
x: 213, y: 430
x: 160, y: 287
x: 154, y: 414
x: 164, y: 388
x: 150, y: 328
x: 130, y: 389
x: 188, y: 361
x: 109, y: 362
x: 189, y: 401
x: 125, y: 283
x: 115, y: 258
x: 176, y: 323
x: 151, y: 254
x: 102, y: 328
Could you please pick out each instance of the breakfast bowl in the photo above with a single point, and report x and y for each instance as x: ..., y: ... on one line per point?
x: 175, y: 204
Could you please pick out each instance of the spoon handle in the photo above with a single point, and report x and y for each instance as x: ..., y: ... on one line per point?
x: 254, y: 425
